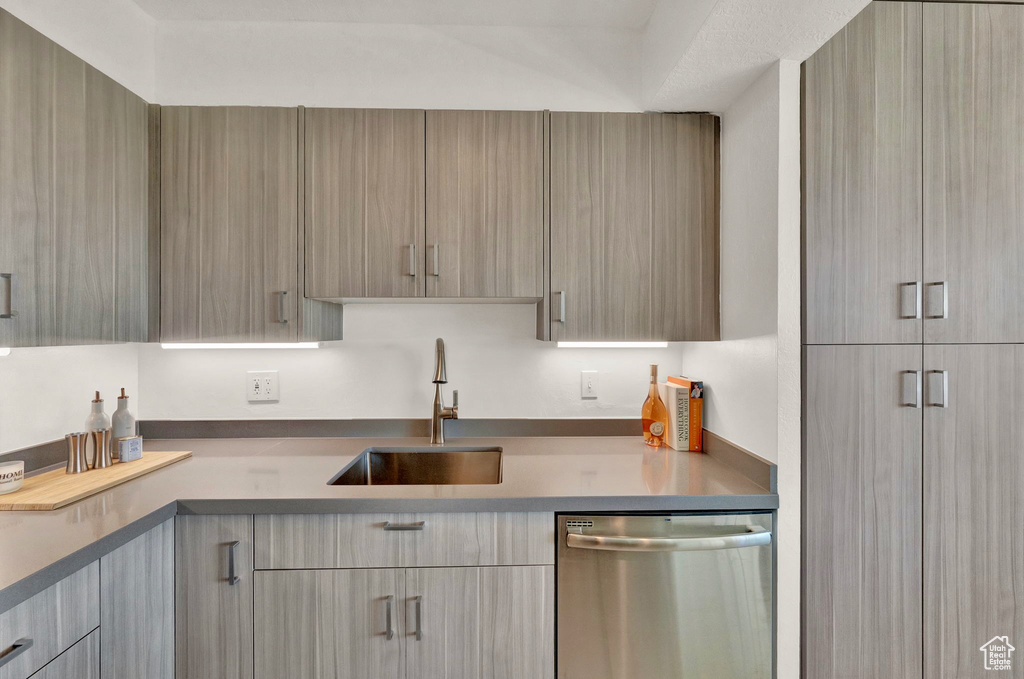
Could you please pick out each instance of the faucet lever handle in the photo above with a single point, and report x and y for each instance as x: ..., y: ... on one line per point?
x: 455, y: 398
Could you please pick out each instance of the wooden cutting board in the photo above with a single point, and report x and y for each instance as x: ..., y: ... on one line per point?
x: 56, y: 489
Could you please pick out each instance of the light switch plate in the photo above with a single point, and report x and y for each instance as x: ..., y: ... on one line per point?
x: 588, y: 384
x: 261, y: 386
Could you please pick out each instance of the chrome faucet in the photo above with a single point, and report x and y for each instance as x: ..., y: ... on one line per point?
x: 440, y: 413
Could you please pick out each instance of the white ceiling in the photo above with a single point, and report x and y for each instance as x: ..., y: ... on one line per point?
x: 737, y: 41
x: 631, y: 14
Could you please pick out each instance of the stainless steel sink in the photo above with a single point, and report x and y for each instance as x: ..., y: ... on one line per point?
x: 421, y: 466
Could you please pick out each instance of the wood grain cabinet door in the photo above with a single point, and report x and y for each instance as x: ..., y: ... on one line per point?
x: 480, y: 623
x: 364, y: 203
x: 137, y: 609
x: 81, y: 661
x: 862, y: 181
x: 100, y: 207
x: 973, y: 182
x: 485, y: 204
x: 862, y: 519
x: 26, y: 185
x: 973, y: 506
x: 213, y: 614
x: 229, y: 226
x: 327, y: 624
x: 73, y: 173
x: 634, y: 226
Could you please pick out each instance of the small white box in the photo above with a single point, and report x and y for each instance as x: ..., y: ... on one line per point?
x: 129, y: 448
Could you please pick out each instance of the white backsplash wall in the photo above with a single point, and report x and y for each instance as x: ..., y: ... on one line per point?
x: 46, y: 392
x: 741, y: 371
x: 384, y: 365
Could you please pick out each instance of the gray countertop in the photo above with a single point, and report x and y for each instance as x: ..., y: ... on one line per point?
x: 254, y: 476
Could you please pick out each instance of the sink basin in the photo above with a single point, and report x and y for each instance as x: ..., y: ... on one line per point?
x: 421, y: 466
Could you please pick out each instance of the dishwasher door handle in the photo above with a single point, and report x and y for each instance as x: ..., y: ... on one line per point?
x: 754, y: 536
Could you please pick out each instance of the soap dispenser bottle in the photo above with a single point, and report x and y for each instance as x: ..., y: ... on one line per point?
x: 122, y: 422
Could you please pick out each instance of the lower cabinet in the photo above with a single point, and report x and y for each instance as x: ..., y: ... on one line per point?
x: 81, y: 661
x: 332, y: 623
x: 973, y: 509
x: 137, y: 607
x: 913, y: 500
x: 37, y: 631
x: 213, y: 597
x: 430, y: 623
x: 492, y: 623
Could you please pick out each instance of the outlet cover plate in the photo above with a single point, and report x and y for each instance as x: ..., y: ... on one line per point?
x: 589, y: 384
x: 261, y: 386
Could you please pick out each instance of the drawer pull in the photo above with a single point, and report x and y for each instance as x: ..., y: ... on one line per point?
x: 282, y: 312
x: 938, y: 306
x: 911, y: 388
x: 6, y: 303
x: 232, y: 578
x: 16, y: 649
x: 412, y: 260
x: 417, y: 525
x: 419, y: 617
x: 938, y: 388
x: 389, y: 602
x: 910, y: 300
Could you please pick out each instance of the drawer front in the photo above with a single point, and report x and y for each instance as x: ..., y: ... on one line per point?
x: 285, y: 541
x: 55, y: 619
x: 81, y: 661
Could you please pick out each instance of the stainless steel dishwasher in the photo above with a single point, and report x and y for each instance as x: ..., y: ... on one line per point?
x: 665, y: 597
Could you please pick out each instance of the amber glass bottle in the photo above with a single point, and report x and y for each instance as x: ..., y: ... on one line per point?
x: 654, y: 414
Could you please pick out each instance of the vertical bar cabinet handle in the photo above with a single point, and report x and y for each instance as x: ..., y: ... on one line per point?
x: 389, y: 632
x: 911, y: 388
x: 910, y: 300
x: 418, y: 600
x: 412, y: 260
x: 938, y: 308
x: 560, y: 318
x: 233, y: 579
x: 282, y: 313
x: 7, y: 296
x: 938, y: 388
x: 436, y: 248
x: 15, y: 649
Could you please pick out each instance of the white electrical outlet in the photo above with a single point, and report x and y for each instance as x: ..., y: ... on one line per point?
x: 262, y: 386
x: 588, y: 384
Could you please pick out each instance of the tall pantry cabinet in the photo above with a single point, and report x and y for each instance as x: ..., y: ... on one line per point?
x: 913, y: 324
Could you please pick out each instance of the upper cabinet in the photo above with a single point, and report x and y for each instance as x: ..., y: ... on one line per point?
x: 402, y: 203
x: 364, y: 196
x: 634, y: 226
x: 485, y: 204
x: 912, y: 187
x: 230, y: 225
x: 74, y: 168
x: 973, y: 184
x: 862, y: 181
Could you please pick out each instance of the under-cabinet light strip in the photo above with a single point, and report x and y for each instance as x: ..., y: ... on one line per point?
x: 612, y: 345
x: 241, y: 345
